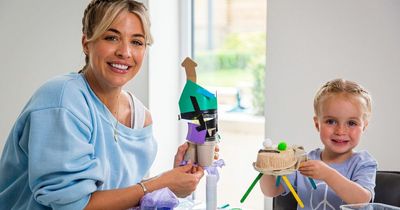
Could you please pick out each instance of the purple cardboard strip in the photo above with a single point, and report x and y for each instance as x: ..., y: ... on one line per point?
x: 197, y: 137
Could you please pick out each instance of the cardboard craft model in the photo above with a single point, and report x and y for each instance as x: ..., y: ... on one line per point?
x: 199, y: 106
x: 279, y: 163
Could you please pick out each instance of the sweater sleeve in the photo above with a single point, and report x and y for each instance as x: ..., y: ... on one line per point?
x: 63, y: 169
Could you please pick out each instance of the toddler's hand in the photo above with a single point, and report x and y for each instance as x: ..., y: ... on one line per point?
x: 315, y: 169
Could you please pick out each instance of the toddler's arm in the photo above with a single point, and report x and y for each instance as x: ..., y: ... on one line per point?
x: 349, y: 191
x: 267, y: 184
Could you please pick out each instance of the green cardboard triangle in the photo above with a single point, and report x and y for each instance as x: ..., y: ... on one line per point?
x: 205, y: 99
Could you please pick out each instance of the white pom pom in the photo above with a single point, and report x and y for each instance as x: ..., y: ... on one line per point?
x: 267, y: 143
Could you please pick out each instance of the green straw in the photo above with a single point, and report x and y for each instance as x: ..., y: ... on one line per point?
x: 278, y: 181
x: 224, y: 206
x: 251, y: 187
x: 312, y: 183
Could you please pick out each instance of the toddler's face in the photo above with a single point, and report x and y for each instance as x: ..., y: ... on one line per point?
x: 341, y: 123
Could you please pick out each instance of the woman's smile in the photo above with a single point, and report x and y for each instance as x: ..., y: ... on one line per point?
x: 119, y: 67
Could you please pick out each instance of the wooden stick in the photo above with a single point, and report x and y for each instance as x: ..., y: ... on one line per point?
x: 251, y: 187
x: 293, y: 191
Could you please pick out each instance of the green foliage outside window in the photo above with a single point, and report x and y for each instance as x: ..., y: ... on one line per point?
x: 257, y: 67
x: 239, y: 55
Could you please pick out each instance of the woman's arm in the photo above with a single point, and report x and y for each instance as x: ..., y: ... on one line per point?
x: 179, y: 180
x: 123, y: 198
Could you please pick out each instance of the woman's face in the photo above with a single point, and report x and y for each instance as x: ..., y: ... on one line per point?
x: 117, y: 55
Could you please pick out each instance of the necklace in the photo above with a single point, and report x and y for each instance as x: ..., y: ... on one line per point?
x: 115, y: 129
x: 116, y: 122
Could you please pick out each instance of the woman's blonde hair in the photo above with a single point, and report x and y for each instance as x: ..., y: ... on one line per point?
x: 339, y: 86
x: 100, y: 14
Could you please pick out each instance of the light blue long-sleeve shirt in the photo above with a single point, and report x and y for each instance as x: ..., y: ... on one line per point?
x: 61, y: 149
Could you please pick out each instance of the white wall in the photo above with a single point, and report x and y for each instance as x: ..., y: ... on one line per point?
x: 164, y: 85
x: 39, y: 40
x: 312, y: 41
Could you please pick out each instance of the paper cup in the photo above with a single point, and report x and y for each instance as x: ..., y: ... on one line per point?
x: 191, y: 153
x: 205, y: 153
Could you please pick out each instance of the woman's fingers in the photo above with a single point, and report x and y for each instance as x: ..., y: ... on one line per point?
x: 180, y: 153
x: 216, y: 156
x: 216, y: 148
x: 216, y: 152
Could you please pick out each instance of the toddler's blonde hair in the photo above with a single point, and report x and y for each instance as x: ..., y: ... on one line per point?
x: 341, y: 86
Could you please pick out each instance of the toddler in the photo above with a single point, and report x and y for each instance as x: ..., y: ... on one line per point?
x: 343, y: 176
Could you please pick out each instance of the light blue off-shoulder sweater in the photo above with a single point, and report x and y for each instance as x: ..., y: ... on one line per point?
x: 62, y: 148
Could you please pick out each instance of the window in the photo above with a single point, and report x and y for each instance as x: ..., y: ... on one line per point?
x: 229, y: 46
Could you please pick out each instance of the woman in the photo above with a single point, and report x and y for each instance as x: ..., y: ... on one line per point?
x: 82, y: 142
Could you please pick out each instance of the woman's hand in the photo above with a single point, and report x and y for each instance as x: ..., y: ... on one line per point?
x: 179, y: 156
x: 216, y: 152
x: 183, y: 180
